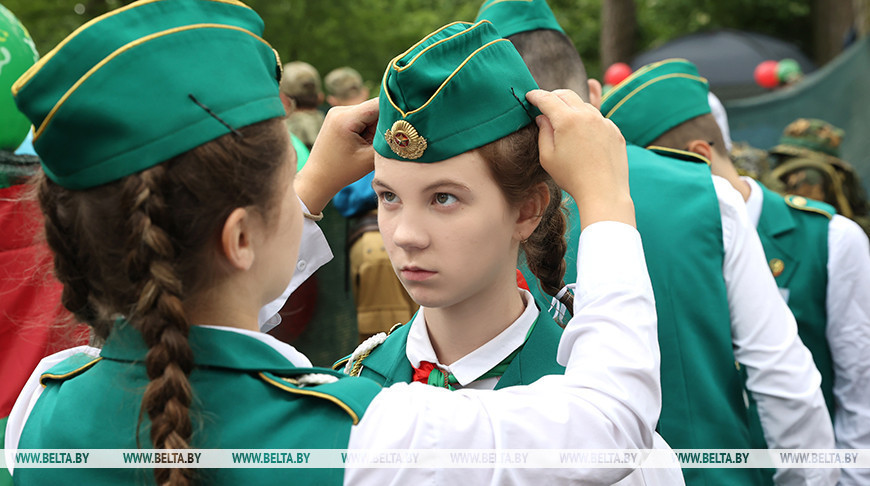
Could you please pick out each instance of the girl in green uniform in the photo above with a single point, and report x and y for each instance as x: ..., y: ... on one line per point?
x: 174, y: 213
x: 457, y: 203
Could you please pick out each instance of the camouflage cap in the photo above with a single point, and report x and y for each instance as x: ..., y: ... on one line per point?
x: 300, y: 79
x: 806, y: 136
x: 343, y: 82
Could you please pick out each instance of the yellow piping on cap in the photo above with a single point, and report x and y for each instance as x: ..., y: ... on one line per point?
x: 392, y: 64
x: 412, y: 61
x: 28, y: 75
x: 455, y: 71
x: 639, y: 72
x: 313, y: 393
x: 424, y: 39
x: 650, y: 82
x: 126, y: 48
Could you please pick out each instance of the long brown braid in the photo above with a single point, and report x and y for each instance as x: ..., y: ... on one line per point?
x: 515, y: 166
x: 137, y: 247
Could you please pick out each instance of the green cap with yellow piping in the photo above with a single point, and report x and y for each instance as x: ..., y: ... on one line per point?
x: 459, y: 88
x: 515, y: 16
x: 655, y: 99
x: 147, y: 82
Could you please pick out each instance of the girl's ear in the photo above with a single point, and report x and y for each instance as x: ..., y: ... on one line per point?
x: 532, y: 210
x: 236, y: 243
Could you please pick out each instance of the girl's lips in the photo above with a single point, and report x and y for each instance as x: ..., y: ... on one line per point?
x: 415, y: 274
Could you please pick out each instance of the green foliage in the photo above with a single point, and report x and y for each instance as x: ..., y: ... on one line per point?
x: 581, y: 20
x: 366, y: 34
x: 663, y: 20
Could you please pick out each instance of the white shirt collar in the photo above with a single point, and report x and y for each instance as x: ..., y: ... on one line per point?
x: 471, y: 366
x: 753, y: 204
x: 295, y: 357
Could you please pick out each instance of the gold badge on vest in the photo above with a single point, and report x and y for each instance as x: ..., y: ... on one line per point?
x: 777, y: 266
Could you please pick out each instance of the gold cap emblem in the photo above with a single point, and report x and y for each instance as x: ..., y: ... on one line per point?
x: 777, y: 266
x: 404, y: 140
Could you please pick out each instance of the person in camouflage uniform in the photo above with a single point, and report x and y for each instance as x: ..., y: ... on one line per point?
x: 808, y: 164
x: 750, y: 161
x: 301, y: 94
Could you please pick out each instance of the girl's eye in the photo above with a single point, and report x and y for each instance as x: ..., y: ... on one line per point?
x: 389, y: 197
x: 445, y: 199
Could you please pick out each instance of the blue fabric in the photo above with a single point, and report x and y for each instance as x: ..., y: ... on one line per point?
x: 356, y: 198
x: 26, y: 147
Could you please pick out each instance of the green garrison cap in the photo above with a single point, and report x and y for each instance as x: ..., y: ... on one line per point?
x: 514, y: 16
x: 655, y: 99
x: 459, y: 88
x: 144, y: 83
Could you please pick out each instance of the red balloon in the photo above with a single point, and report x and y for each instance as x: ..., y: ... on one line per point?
x: 766, y: 74
x: 616, y: 73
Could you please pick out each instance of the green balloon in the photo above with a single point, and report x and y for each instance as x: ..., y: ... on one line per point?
x: 17, y: 54
x: 788, y: 70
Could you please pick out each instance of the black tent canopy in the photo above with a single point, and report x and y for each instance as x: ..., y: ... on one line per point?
x: 727, y: 58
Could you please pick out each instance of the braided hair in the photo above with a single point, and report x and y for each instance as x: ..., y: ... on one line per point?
x: 515, y: 165
x: 138, y: 247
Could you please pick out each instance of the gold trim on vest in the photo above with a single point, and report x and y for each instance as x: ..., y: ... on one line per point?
x: 312, y: 393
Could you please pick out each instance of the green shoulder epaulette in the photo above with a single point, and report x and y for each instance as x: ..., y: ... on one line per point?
x: 68, y: 368
x: 352, y: 395
x: 678, y: 154
x: 810, y: 205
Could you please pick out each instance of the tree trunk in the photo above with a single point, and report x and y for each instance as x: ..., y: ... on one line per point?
x: 618, y: 29
x: 862, y: 16
x: 832, y: 19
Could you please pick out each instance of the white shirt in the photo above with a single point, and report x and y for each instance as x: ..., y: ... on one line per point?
x: 609, y: 397
x: 473, y: 365
x: 314, y: 252
x: 476, y: 363
x: 781, y: 374
x: 848, y: 330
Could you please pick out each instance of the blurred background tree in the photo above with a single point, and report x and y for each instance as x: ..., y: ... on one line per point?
x: 366, y: 34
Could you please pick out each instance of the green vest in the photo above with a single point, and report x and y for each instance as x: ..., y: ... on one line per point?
x: 245, y: 397
x: 388, y: 363
x: 678, y: 218
x: 794, y: 233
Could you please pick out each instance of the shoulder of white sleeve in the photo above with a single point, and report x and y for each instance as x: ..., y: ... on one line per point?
x: 730, y: 200
x: 843, y: 230
x: 847, y: 242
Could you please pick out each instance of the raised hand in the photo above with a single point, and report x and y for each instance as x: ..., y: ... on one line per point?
x: 585, y: 154
x: 341, y: 154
